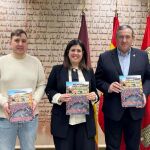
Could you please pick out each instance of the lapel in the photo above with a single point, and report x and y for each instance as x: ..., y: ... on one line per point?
x: 115, y: 60
x: 64, y: 75
x: 86, y: 75
x: 132, y: 61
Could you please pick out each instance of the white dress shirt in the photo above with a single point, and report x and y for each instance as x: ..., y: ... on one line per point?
x: 74, y: 119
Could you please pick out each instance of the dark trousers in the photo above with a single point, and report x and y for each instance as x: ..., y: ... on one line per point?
x: 129, y: 127
x: 76, y: 139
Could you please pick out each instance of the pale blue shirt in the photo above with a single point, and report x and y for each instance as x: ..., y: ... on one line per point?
x: 124, y: 60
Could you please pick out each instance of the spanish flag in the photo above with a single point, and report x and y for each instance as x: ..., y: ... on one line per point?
x: 145, y: 132
x: 115, y: 27
x: 112, y: 46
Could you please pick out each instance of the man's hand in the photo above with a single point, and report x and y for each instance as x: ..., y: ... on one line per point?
x: 6, y: 109
x: 64, y: 98
x: 115, y: 87
x: 144, y: 97
x: 34, y: 105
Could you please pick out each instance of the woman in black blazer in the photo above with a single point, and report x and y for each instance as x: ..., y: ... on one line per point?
x: 71, y: 132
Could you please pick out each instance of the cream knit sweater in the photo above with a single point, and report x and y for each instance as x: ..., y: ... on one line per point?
x: 19, y: 74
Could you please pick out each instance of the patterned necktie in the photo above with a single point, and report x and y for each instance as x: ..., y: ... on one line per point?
x: 74, y: 73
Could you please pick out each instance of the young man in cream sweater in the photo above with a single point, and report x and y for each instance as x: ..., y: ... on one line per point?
x: 19, y: 70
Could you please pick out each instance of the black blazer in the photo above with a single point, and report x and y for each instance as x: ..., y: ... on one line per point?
x: 57, y: 84
x: 108, y: 71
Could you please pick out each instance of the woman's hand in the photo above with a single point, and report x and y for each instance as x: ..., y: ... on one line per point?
x: 64, y: 98
x: 91, y: 96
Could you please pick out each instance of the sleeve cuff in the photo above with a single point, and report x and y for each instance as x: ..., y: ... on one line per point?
x: 95, y: 100
x: 55, y: 99
x: 3, y: 100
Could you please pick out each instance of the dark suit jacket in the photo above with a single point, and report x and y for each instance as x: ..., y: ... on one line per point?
x: 108, y: 71
x: 57, y: 84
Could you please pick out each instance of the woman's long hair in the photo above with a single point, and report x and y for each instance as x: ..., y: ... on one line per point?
x: 83, y: 63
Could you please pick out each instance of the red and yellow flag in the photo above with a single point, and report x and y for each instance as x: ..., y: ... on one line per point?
x: 115, y: 27
x: 83, y: 36
x: 145, y: 132
x: 146, y: 38
x: 112, y: 46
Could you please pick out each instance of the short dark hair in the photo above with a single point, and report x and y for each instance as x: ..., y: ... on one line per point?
x: 83, y: 64
x: 17, y: 32
x: 122, y: 27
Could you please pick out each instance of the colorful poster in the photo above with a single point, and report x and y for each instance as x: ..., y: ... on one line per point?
x: 132, y: 93
x: 20, y: 103
x: 79, y: 103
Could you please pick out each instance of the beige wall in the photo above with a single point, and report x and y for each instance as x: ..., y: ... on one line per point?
x: 50, y: 24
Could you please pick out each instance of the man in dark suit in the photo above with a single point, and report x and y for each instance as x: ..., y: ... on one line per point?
x: 124, y: 60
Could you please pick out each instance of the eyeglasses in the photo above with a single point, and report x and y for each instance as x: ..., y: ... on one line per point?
x: 127, y: 37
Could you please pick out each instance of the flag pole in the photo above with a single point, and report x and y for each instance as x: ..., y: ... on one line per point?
x: 83, y: 8
x: 148, y: 5
x: 116, y: 11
